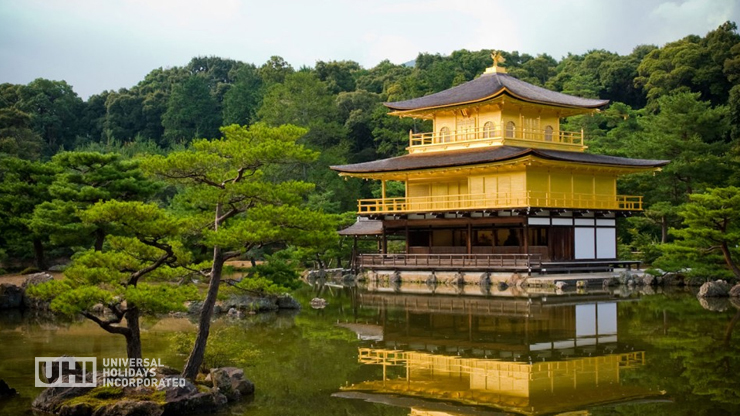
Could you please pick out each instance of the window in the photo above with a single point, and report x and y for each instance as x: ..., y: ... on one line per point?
x: 510, y: 128
x: 465, y: 128
x: 444, y: 134
x: 418, y: 238
x: 507, y: 237
x: 548, y: 133
x: 488, y: 129
x: 482, y: 237
x: 537, y: 236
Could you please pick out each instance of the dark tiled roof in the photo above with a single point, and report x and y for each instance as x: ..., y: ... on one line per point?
x: 363, y: 227
x: 487, y: 155
x: 490, y: 85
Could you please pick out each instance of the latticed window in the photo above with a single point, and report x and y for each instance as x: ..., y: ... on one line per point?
x: 488, y: 130
x: 510, y: 128
x: 444, y: 134
x: 465, y: 128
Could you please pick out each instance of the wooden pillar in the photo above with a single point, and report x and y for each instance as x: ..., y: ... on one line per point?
x: 470, y: 239
x: 353, y: 261
x: 406, y: 231
x: 526, y: 236
x: 384, y: 243
x: 382, y: 188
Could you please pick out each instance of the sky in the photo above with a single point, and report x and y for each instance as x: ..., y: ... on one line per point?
x: 98, y: 45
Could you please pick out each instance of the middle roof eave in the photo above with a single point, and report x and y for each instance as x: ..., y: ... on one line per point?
x: 488, y: 155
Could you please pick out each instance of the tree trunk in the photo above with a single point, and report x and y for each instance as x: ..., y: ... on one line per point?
x: 38, y: 252
x: 99, y: 239
x: 195, y: 360
x: 133, y: 338
x: 729, y: 261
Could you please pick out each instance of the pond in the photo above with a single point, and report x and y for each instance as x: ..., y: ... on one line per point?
x: 404, y: 351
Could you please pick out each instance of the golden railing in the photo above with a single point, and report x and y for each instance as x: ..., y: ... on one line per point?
x: 499, y: 201
x: 496, y: 135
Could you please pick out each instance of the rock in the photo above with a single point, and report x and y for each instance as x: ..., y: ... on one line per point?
x: 249, y: 303
x: 459, y: 279
x: 560, y: 285
x: 33, y: 280
x: 79, y: 409
x: 37, y: 279
x: 735, y: 291
x: 235, y: 313
x: 502, y: 286
x: 176, y: 386
x: 50, y: 400
x: 163, y: 371
x: 195, y: 403
x: 11, y: 296
x: 195, y: 307
x: 672, y: 279
x: 218, y: 309
x: 287, y: 302
x: 130, y: 408
x: 318, y: 303
x: 5, y: 390
x: 718, y: 288
x: 649, y: 280
x: 231, y: 383
x: 57, y: 268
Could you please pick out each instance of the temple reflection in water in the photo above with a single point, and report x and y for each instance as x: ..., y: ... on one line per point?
x: 528, y: 355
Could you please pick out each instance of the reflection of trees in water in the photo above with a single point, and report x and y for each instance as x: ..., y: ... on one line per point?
x: 693, y: 349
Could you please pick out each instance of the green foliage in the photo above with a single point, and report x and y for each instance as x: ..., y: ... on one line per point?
x: 23, y: 186
x: 261, y: 286
x: 711, y: 232
x: 191, y: 112
x: 277, y: 269
x: 84, y: 179
x: 226, y: 348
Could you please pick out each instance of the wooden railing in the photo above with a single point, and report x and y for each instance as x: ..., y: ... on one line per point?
x: 499, y: 201
x: 489, y: 261
x: 496, y: 136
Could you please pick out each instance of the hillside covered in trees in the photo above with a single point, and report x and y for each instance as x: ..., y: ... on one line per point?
x: 679, y: 101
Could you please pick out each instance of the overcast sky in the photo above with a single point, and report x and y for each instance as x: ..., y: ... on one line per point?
x: 108, y: 44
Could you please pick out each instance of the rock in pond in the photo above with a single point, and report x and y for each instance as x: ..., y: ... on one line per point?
x: 716, y: 289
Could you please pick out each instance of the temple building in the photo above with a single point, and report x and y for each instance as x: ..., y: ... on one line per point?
x: 497, y: 183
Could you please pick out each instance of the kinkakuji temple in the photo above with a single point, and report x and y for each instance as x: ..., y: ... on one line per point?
x: 497, y: 185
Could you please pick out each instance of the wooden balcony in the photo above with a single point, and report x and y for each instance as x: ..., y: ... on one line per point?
x: 472, y: 202
x: 509, y: 262
x: 477, y: 137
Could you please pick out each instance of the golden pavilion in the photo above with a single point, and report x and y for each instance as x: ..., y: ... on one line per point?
x: 497, y: 185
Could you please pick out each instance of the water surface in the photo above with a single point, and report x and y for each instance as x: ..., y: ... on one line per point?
x: 404, y: 351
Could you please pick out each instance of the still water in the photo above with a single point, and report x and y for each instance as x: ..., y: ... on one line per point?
x: 391, y: 351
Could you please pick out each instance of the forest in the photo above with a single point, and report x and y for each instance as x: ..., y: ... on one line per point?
x: 60, y: 154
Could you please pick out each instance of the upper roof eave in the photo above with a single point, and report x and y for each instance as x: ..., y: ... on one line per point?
x: 490, y: 86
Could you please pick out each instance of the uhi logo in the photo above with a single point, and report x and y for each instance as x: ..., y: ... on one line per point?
x: 66, y: 371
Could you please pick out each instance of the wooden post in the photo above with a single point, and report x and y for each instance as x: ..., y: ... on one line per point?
x: 384, y: 243
x: 470, y: 238
x: 406, y: 231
